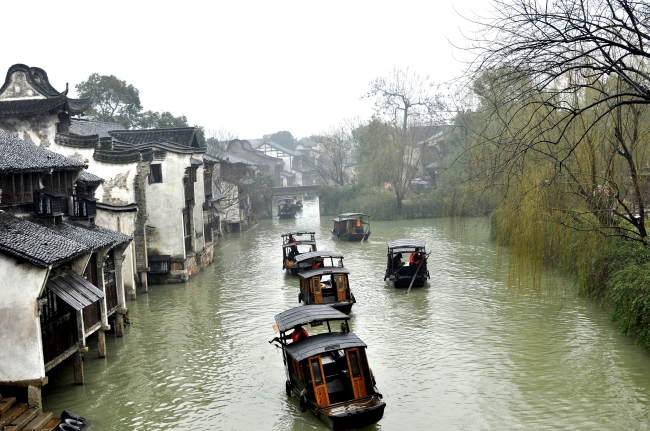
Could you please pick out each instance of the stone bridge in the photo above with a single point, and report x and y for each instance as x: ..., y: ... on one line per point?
x: 296, y: 190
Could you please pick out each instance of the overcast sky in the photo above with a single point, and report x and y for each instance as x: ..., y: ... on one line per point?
x: 250, y: 67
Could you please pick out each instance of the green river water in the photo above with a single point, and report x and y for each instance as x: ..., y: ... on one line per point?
x: 463, y: 353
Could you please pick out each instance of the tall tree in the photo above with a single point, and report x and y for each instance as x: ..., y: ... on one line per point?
x: 410, y: 105
x: 283, y: 138
x: 113, y: 99
x: 572, y: 81
x: 332, y: 155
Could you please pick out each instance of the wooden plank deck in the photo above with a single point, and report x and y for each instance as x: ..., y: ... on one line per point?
x: 19, y: 417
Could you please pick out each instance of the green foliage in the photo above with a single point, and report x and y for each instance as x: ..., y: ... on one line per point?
x: 620, y: 277
x: 200, y: 135
x: 113, y: 99
x: 160, y: 120
x: 283, y: 138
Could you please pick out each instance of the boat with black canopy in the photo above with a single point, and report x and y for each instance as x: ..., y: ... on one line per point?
x: 297, y: 202
x: 318, y: 259
x: 413, y: 272
x: 328, y: 371
x: 327, y: 285
x: 286, y: 208
x: 294, y: 243
x: 352, y: 227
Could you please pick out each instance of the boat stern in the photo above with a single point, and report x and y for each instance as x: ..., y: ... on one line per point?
x: 357, y: 414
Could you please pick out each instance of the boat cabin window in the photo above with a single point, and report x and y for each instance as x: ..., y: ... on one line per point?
x: 315, y: 369
x: 354, y: 363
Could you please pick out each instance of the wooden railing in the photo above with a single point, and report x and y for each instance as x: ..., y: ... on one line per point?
x: 59, y: 336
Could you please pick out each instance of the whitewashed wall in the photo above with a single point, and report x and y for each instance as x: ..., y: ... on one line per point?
x: 165, y: 203
x: 21, y: 351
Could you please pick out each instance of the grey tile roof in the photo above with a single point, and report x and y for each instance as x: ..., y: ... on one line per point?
x: 80, y: 126
x: 17, y: 155
x: 243, y: 150
x: 90, y: 178
x: 35, y: 243
x: 195, y: 162
x: 185, y: 136
x: 38, y: 79
x: 42, y: 244
x: 280, y: 148
x: 72, y: 288
x: 92, y: 236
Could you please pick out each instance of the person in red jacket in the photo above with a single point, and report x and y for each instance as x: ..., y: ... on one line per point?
x: 299, y: 333
x: 414, y: 260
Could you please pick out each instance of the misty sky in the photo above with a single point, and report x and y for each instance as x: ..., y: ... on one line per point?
x: 250, y: 67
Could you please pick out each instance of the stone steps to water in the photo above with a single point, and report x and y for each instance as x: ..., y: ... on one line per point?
x: 19, y: 417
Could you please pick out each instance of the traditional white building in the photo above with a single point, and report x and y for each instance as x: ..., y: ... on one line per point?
x: 149, y: 180
x: 60, y: 274
x: 293, y: 169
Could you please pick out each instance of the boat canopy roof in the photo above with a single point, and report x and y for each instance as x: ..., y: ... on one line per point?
x: 322, y: 343
x: 298, y: 232
x: 307, y: 313
x: 353, y: 215
x: 314, y: 254
x: 405, y: 245
x: 322, y: 271
x: 298, y: 242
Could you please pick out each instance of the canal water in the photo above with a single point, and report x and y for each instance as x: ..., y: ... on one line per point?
x: 465, y: 353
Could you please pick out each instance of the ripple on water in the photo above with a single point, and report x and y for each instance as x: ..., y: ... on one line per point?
x: 463, y: 353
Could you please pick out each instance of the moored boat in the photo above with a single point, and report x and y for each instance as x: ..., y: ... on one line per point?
x: 295, y: 243
x: 328, y: 371
x: 352, y: 227
x: 414, y: 272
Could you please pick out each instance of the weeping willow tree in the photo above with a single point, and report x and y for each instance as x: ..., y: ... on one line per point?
x: 562, y: 185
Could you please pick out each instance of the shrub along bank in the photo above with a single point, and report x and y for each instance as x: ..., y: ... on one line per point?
x: 381, y: 204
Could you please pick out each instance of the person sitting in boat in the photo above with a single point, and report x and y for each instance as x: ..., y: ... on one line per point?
x: 397, y: 262
x: 293, y: 250
x: 317, y: 263
x: 299, y: 333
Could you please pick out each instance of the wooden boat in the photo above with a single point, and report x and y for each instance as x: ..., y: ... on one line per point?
x: 400, y: 273
x: 297, y: 202
x: 293, y: 242
x: 326, y: 285
x: 286, y: 209
x: 318, y: 259
x: 352, y: 227
x: 329, y: 371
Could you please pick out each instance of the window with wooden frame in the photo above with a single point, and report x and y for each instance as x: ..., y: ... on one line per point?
x: 19, y: 188
x: 191, y: 172
x: 155, y: 173
x: 60, y: 181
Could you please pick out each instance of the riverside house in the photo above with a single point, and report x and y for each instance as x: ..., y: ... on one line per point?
x: 148, y: 179
x: 61, y: 275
